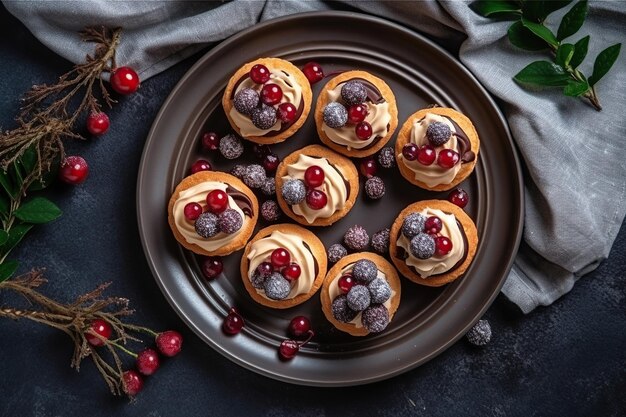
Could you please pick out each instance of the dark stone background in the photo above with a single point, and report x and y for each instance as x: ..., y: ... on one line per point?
x: 565, y: 360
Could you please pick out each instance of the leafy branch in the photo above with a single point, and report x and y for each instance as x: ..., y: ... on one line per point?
x: 529, y: 32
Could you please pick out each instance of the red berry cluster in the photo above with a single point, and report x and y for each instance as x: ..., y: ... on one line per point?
x: 300, y: 330
x: 280, y: 261
x: 427, y: 154
x: 314, y: 177
x: 271, y: 94
x: 216, y: 203
x: 433, y: 226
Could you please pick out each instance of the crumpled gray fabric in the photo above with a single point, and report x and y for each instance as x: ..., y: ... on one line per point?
x: 575, y: 157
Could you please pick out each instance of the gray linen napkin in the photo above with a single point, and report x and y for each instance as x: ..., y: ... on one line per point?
x: 575, y: 157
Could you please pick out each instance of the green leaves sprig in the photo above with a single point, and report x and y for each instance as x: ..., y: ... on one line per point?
x: 530, y: 33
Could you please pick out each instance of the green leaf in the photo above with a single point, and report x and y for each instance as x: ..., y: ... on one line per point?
x: 4, y: 206
x: 572, y: 21
x: 543, y: 73
x: 16, y: 175
x: 4, y: 236
x: 580, y: 52
x: 496, y: 8
x: 575, y: 88
x: 604, y: 62
x: 16, y: 234
x: 7, y: 184
x: 541, y: 31
x: 564, y: 54
x: 524, y: 38
x: 28, y: 160
x: 38, y: 210
x: 537, y: 11
x: 7, y: 269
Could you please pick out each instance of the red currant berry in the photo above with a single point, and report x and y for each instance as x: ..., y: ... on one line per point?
x: 124, y: 80
x: 280, y: 257
x: 270, y: 162
x: 292, y: 272
x: 192, y: 211
x: 447, y: 158
x: 443, y: 245
x: 299, y: 326
x: 368, y: 167
x: 316, y: 199
x: 345, y: 283
x: 74, y: 170
x: 313, y: 72
x: 410, y: 151
x: 148, y: 361
x: 271, y: 94
x: 260, y: 74
x: 210, y: 141
x: 265, y: 269
x: 132, y: 382
x: 363, y: 131
x: 233, y: 323
x: 212, y: 267
x: 217, y: 200
x: 426, y: 155
x: 433, y: 225
x: 288, y: 349
x: 101, y: 328
x: 200, y: 165
x: 287, y: 112
x: 98, y: 123
x: 357, y: 113
x: 314, y: 176
x: 169, y: 343
x: 459, y: 197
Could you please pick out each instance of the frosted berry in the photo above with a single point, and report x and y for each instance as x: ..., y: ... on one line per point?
x: 380, y: 241
x: 353, y: 92
x: 387, y: 157
x: 459, y: 197
x: 230, y: 221
x: 210, y: 141
x: 270, y: 162
x: 246, y: 100
x: 443, y: 246
x: 375, y: 318
x: 413, y: 224
x: 74, y: 170
x: 271, y: 94
x: 313, y: 72
x: 314, y: 176
x: 200, y: 165
x: 410, y: 151
x: 263, y: 117
x: 380, y: 291
x: 132, y: 382
x: 276, y: 287
x: 270, y: 211
x: 341, y: 311
x: 422, y: 246
x: 169, y: 343
x: 231, y: 147
x: 335, y: 115
x: 101, y: 328
x: 148, y: 361
x: 336, y: 252
x: 280, y: 257
x: 259, y: 74
x: 217, y: 201
x: 364, y: 271
x: 192, y: 211
x: 98, y: 123
x: 292, y: 272
x: 233, y: 323
x: 316, y: 199
x: 363, y: 131
x: 269, y: 186
x: 375, y: 188
x: 298, y: 327
x: 288, y: 349
x: 358, y: 298
x: 293, y: 191
x: 480, y: 334
x: 287, y: 113
x: 433, y: 225
x: 345, y: 283
x: 448, y: 158
x: 255, y: 176
x: 356, y: 238
x: 368, y: 167
x: 426, y: 155
x: 238, y: 171
x: 438, y: 133
x: 124, y: 80
x: 206, y: 225
x: 357, y: 113
x: 212, y: 267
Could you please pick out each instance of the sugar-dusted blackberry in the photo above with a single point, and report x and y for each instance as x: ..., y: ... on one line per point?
x: 335, y: 115
x: 246, y: 100
x: 380, y: 241
x: 480, y: 334
x: 263, y: 117
x: 293, y: 191
x: 375, y: 188
x: 422, y: 246
x: 356, y: 238
x: 353, y: 92
x: 387, y: 157
x: 375, y: 318
x: 206, y: 225
x: 255, y: 176
x: 358, y: 297
x: 276, y: 287
x: 231, y: 147
x: 413, y: 224
x: 335, y: 252
x: 341, y: 311
x: 380, y: 290
x: 238, y: 171
x: 438, y: 133
x: 269, y: 186
x: 270, y: 211
x: 364, y: 270
x: 258, y: 280
x: 230, y: 221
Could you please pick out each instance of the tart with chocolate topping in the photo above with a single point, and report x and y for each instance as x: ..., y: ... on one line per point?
x: 437, y: 148
x: 212, y: 213
x: 267, y: 100
x: 356, y: 114
x: 433, y: 242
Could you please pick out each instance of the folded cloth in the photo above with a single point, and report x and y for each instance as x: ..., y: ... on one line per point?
x: 575, y: 157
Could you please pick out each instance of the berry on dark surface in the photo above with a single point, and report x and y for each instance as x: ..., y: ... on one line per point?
x: 231, y: 147
x: 255, y: 176
x: 345, y: 283
x: 353, y: 92
x: 363, y: 130
x: 74, y: 170
x: 270, y: 162
x: 443, y: 245
x: 293, y: 191
x: 288, y: 349
x: 368, y: 167
x: 316, y: 199
x: 356, y: 238
x: 448, y: 158
x: 148, y: 361
x: 132, y: 382
x: 422, y: 246
x: 200, y: 165
x: 287, y: 112
x: 259, y: 74
x: 314, y: 176
x: 387, y: 157
x: 192, y: 211
x: 238, y: 171
x: 217, y: 201
x: 336, y: 252
x: 380, y: 241
x: 375, y: 188
x: 364, y: 271
x: 263, y: 117
x: 480, y: 334
x: 124, y: 80
x: 280, y: 257
x: 270, y: 211
x: 298, y: 327
x: 269, y: 186
x: 210, y: 141
x: 233, y: 323
x: 375, y: 318
x: 271, y: 94
x: 212, y: 267
x: 276, y: 287
x: 426, y: 155
x: 98, y: 123
x: 260, y: 150
x: 438, y: 133
x: 246, y: 100
x: 292, y: 272
x: 357, y: 113
x: 341, y: 311
x: 169, y: 343
x: 433, y: 225
x: 335, y: 115
x: 230, y: 221
x: 380, y: 291
x: 206, y: 225
x: 101, y: 328
x: 413, y: 224
x: 358, y: 298
x: 410, y: 151
x: 458, y: 197
x: 313, y: 72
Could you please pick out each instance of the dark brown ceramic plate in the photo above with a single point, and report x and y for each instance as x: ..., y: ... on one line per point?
x: 429, y: 319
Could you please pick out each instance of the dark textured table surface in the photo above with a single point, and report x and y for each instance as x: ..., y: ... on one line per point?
x: 565, y: 360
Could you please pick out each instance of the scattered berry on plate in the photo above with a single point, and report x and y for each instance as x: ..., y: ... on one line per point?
x: 368, y: 167
x: 299, y: 326
x: 233, y: 322
x: 255, y: 176
x: 270, y: 211
x: 458, y: 197
x: 387, y: 157
x: 335, y: 252
x: 480, y: 334
x: 375, y: 188
x: 200, y: 165
x: 238, y: 171
x: 231, y: 147
x: 313, y: 72
x: 356, y: 238
x: 212, y: 267
x: 269, y: 186
x: 210, y: 141
x: 380, y: 241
